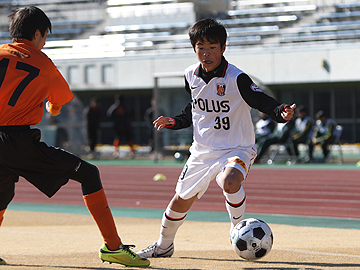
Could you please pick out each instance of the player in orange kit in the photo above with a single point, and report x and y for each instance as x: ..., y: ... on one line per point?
x: 27, y: 78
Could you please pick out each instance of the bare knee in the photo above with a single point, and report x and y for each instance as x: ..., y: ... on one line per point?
x: 232, y: 180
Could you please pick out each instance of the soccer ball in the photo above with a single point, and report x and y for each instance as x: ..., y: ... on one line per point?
x: 251, y: 239
x: 179, y: 157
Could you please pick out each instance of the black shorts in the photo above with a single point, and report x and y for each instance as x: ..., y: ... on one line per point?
x: 123, y: 132
x: 22, y: 154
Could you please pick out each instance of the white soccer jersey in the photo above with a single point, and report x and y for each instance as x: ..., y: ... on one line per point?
x: 221, y: 118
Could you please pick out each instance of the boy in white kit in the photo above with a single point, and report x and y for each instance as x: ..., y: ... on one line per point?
x: 224, y: 141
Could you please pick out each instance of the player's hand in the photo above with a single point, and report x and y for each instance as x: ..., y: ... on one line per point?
x: 288, y: 112
x: 53, y: 110
x: 162, y: 122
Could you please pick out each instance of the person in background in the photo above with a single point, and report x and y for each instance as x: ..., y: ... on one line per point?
x: 149, y: 119
x: 304, y: 128
x: 93, y: 115
x: 324, y: 135
x: 120, y: 115
x: 264, y: 126
x: 27, y: 78
x: 280, y: 135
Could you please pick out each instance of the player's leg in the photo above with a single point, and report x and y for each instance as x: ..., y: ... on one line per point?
x: 128, y: 136
x: 117, y: 141
x: 325, y: 145
x: 310, y: 149
x: 235, y: 200
x: 92, y: 137
x: 1, y: 220
x: 186, y: 193
x: 116, y: 144
x: 173, y: 217
x: 292, y: 148
x: 95, y: 200
x: 2, y: 216
x: 264, y: 145
x: 132, y: 150
x: 236, y: 167
x: 192, y: 184
x: 7, y: 192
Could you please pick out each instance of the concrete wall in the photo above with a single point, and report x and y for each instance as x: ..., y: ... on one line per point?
x: 272, y: 67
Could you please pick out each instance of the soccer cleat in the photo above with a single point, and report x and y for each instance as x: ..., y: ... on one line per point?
x: 124, y: 255
x: 155, y: 251
x: 2, y: 261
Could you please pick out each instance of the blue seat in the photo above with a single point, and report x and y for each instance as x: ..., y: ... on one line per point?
x: 272, y: 10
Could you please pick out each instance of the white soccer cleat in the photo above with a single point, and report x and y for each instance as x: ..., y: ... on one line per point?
x: 154, y: 251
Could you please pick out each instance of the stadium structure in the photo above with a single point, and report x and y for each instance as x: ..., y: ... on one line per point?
x: 303, y: 51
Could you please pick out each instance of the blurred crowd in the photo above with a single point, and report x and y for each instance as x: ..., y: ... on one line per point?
x: 301, y: 130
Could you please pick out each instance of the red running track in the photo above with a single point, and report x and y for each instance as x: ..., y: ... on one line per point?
x: 309, y: 192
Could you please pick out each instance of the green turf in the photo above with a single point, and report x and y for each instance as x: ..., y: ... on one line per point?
x: 195, y: 215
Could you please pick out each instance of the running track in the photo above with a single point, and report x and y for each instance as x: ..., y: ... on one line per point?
x: 288, y: 191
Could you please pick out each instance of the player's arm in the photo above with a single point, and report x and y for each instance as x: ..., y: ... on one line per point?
x: 183, y: 120
x: 330, y: 132
x: 257, y: 99
x: 180, y: 121
x: 59, y: 93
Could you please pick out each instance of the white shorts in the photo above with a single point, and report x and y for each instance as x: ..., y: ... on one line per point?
x: 202, y: 168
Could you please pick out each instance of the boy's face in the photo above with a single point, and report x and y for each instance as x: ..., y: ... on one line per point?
x: 209, y: 54
x: 39, y: 40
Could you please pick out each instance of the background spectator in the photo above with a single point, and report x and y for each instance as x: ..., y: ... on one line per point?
x: 304, y: 128
x: 93, y: 114
x: 120, y: 115
x: 323, y: 135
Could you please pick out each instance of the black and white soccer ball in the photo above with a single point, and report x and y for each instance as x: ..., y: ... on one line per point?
x: 251, y: 239
x: 179, y: 157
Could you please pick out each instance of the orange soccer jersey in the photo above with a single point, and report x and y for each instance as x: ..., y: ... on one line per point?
x: 27, y: 78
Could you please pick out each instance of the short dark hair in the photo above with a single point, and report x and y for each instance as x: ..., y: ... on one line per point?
x: 302, y: 108
x: 320, y: 114
x: 25, y: 21
x: 209, y: 29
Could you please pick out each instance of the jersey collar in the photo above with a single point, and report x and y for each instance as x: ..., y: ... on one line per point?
x: 24, y: 41
x: 217, y: 72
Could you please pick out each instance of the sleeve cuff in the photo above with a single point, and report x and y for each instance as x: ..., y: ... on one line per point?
x: 172, y: 124
x: 286, y: 106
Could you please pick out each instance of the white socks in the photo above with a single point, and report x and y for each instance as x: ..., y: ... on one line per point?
x: 170, y: 223
x: 235, y: 205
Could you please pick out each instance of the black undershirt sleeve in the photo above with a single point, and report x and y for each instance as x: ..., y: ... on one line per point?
x: 184, y: 119
x: 259, y: 100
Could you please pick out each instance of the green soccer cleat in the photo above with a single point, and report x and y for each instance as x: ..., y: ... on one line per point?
x: 123, y: 256
x: 2, y: 261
